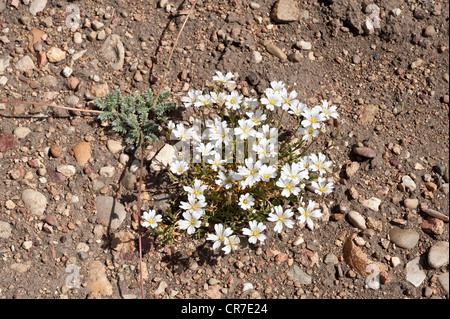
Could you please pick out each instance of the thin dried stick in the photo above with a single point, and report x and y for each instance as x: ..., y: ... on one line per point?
x: 52, y: 105
x: 173, y: 49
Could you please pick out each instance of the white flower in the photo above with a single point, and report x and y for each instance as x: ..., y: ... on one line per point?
x: 266, y: 132
x: 191, y: 99
x: 271, y: 100
x: 305, y: 163
x: 297, y: 108
x: 170, y: 125
x: 203, y: 100
x: 197, y: 189
x: 254, y: 232
x: 322, y: 187
x: 308, y: 133
x: 233, y: 101
x: 205, y: 149
x: 219, y: 132
x: 288, y: 99
x: 223, y: 79
x: 306, y: 214
x: 218, y: 97
x: 217, y: 162
x: 195, y: 204
x: 265, y: 149
x: 231, y: 243
x: 257, y: 117
x: 246, y: 201
x: 250, y: 103
x: 150, y: 219
x: 277, y: 86
x: 249, y: 172
x: 220, y: 236
x: 181, y: 133
x: 289, y: 187
x: 294, y: 172
x: 245, y: 129
x: 179, y: 167
x: 318, y: 163
x: 313, y: 118
x: 191, y: 221
x: 329, y: 111
x: 281, y: 218
x: 267, y: 172
x: 225, y: 180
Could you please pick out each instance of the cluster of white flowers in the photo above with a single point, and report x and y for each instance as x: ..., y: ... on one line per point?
x: 257, y: 171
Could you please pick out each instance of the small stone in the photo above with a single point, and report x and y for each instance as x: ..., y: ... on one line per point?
x: 304, y: 45
x: 72, y: 100
x: 429, y: 31
x: 411, y: 203
x: 357, y: 220
x: 110, y: 211
x: 34, y: 201
x: 275, y: 51
x: 55, y: 55
x: 96, y: 25
x: 416, y: 63
x: 331, y: 259
x: 256, y: 57
x: 444, y: 281
x: 21, y: 132
x: 414, y: 274
x: 67, y: 72
x: 395, y: 261
x: 351, y: 169
x: 433, y: 226
x: 295, y: 57
x: 164, y: 157
x: 114, y: 146
x: 7, y: 142
x: 409, y: 184
x: 98, y: 282
x: 404, y: 238
x: 99, y: 90
x: 285, y: 11
x: 308, y: 258
x: 82, y: 152
x: 438, y: 256
x: 55, y: 150
x: 25, y: 64
x: 396, y: 12
x: 66, y: 170
x: 37, y: 6
x: 129, y: 181
x: 161, y: 288
x: 365, y: 152
x: 107, y: 171
x: 254, y: 5
x: 435, y: 214
x: 372, y: 203
x: 5, y: 230
x: 77, y: 38
x: 9, y: 204
x: 51, y: 220
x: 82, y: 248
x: 439, y: 169
x: 114, y: 51
x: 299, y: 275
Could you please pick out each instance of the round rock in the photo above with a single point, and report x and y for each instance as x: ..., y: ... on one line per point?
x: 438, y: 255
x: 404, y: 238
x: 366, y: 152
x: 5, y: 230
x: 110, y: 211
x: 34, y: 201
x: 357, y: 220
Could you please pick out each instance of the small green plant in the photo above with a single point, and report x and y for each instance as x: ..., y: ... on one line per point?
x: 133, y: 114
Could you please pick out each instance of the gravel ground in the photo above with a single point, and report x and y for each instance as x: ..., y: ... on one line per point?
x: 63, y: 174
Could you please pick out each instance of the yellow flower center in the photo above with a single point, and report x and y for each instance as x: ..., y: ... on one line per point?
x: 245, y: 201
x: 255, y: 233
x: 193, y: 222
x: 180, y: 169
x: 322, y: 189
x: 265, y: 176
x: 319, y: 166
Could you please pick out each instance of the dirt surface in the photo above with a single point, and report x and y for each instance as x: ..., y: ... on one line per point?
x: 391, y: 90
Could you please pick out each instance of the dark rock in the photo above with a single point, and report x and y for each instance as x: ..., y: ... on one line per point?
x: 7, y: 142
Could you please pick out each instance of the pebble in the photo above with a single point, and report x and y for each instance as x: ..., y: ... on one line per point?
x: 67, y: 71
x: 331, y: 259
x: 409, y: 184
x: 256, y: 57
x: 414, y: 273
x: 161, y: 288
x: 66, y: 170
x: 372, y: 203
x: 77, y: 38
x: 37, y: 6
x: 21, y: 132
x: 411, y: 203
x: 34, y: 201
x: 72, y: 100
x: 299, y: 275
x: 129, y: 181
x: 110, y: 211
x: 433, y: 226
x: 99, y: 90
x: 439, y: 169
x: 55, y: 55
x: 416, y: 63
x: 51, y: 220
x: 438, y: 256
x: 275, y: 51
x: 164, y: 157
x: 285, y: 11
x: 429, y: 31
x: 25, y: 64
x: 7, y: 142
x: 114, y: 146
x: 357, y: 220
x: 295, y: 57
x: 255, y: 6
x: 55, y: 150
x: 114, y: 51
x: 404, y: 238
x: 304, y: 45
x: 98, y: 282
x: 97, y: 25
x: 444, y: 281
x: 365, y: 152
x: 5, y: 230
x: 395, y: 261
x: 107, y: 171
x: 82, y: 152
